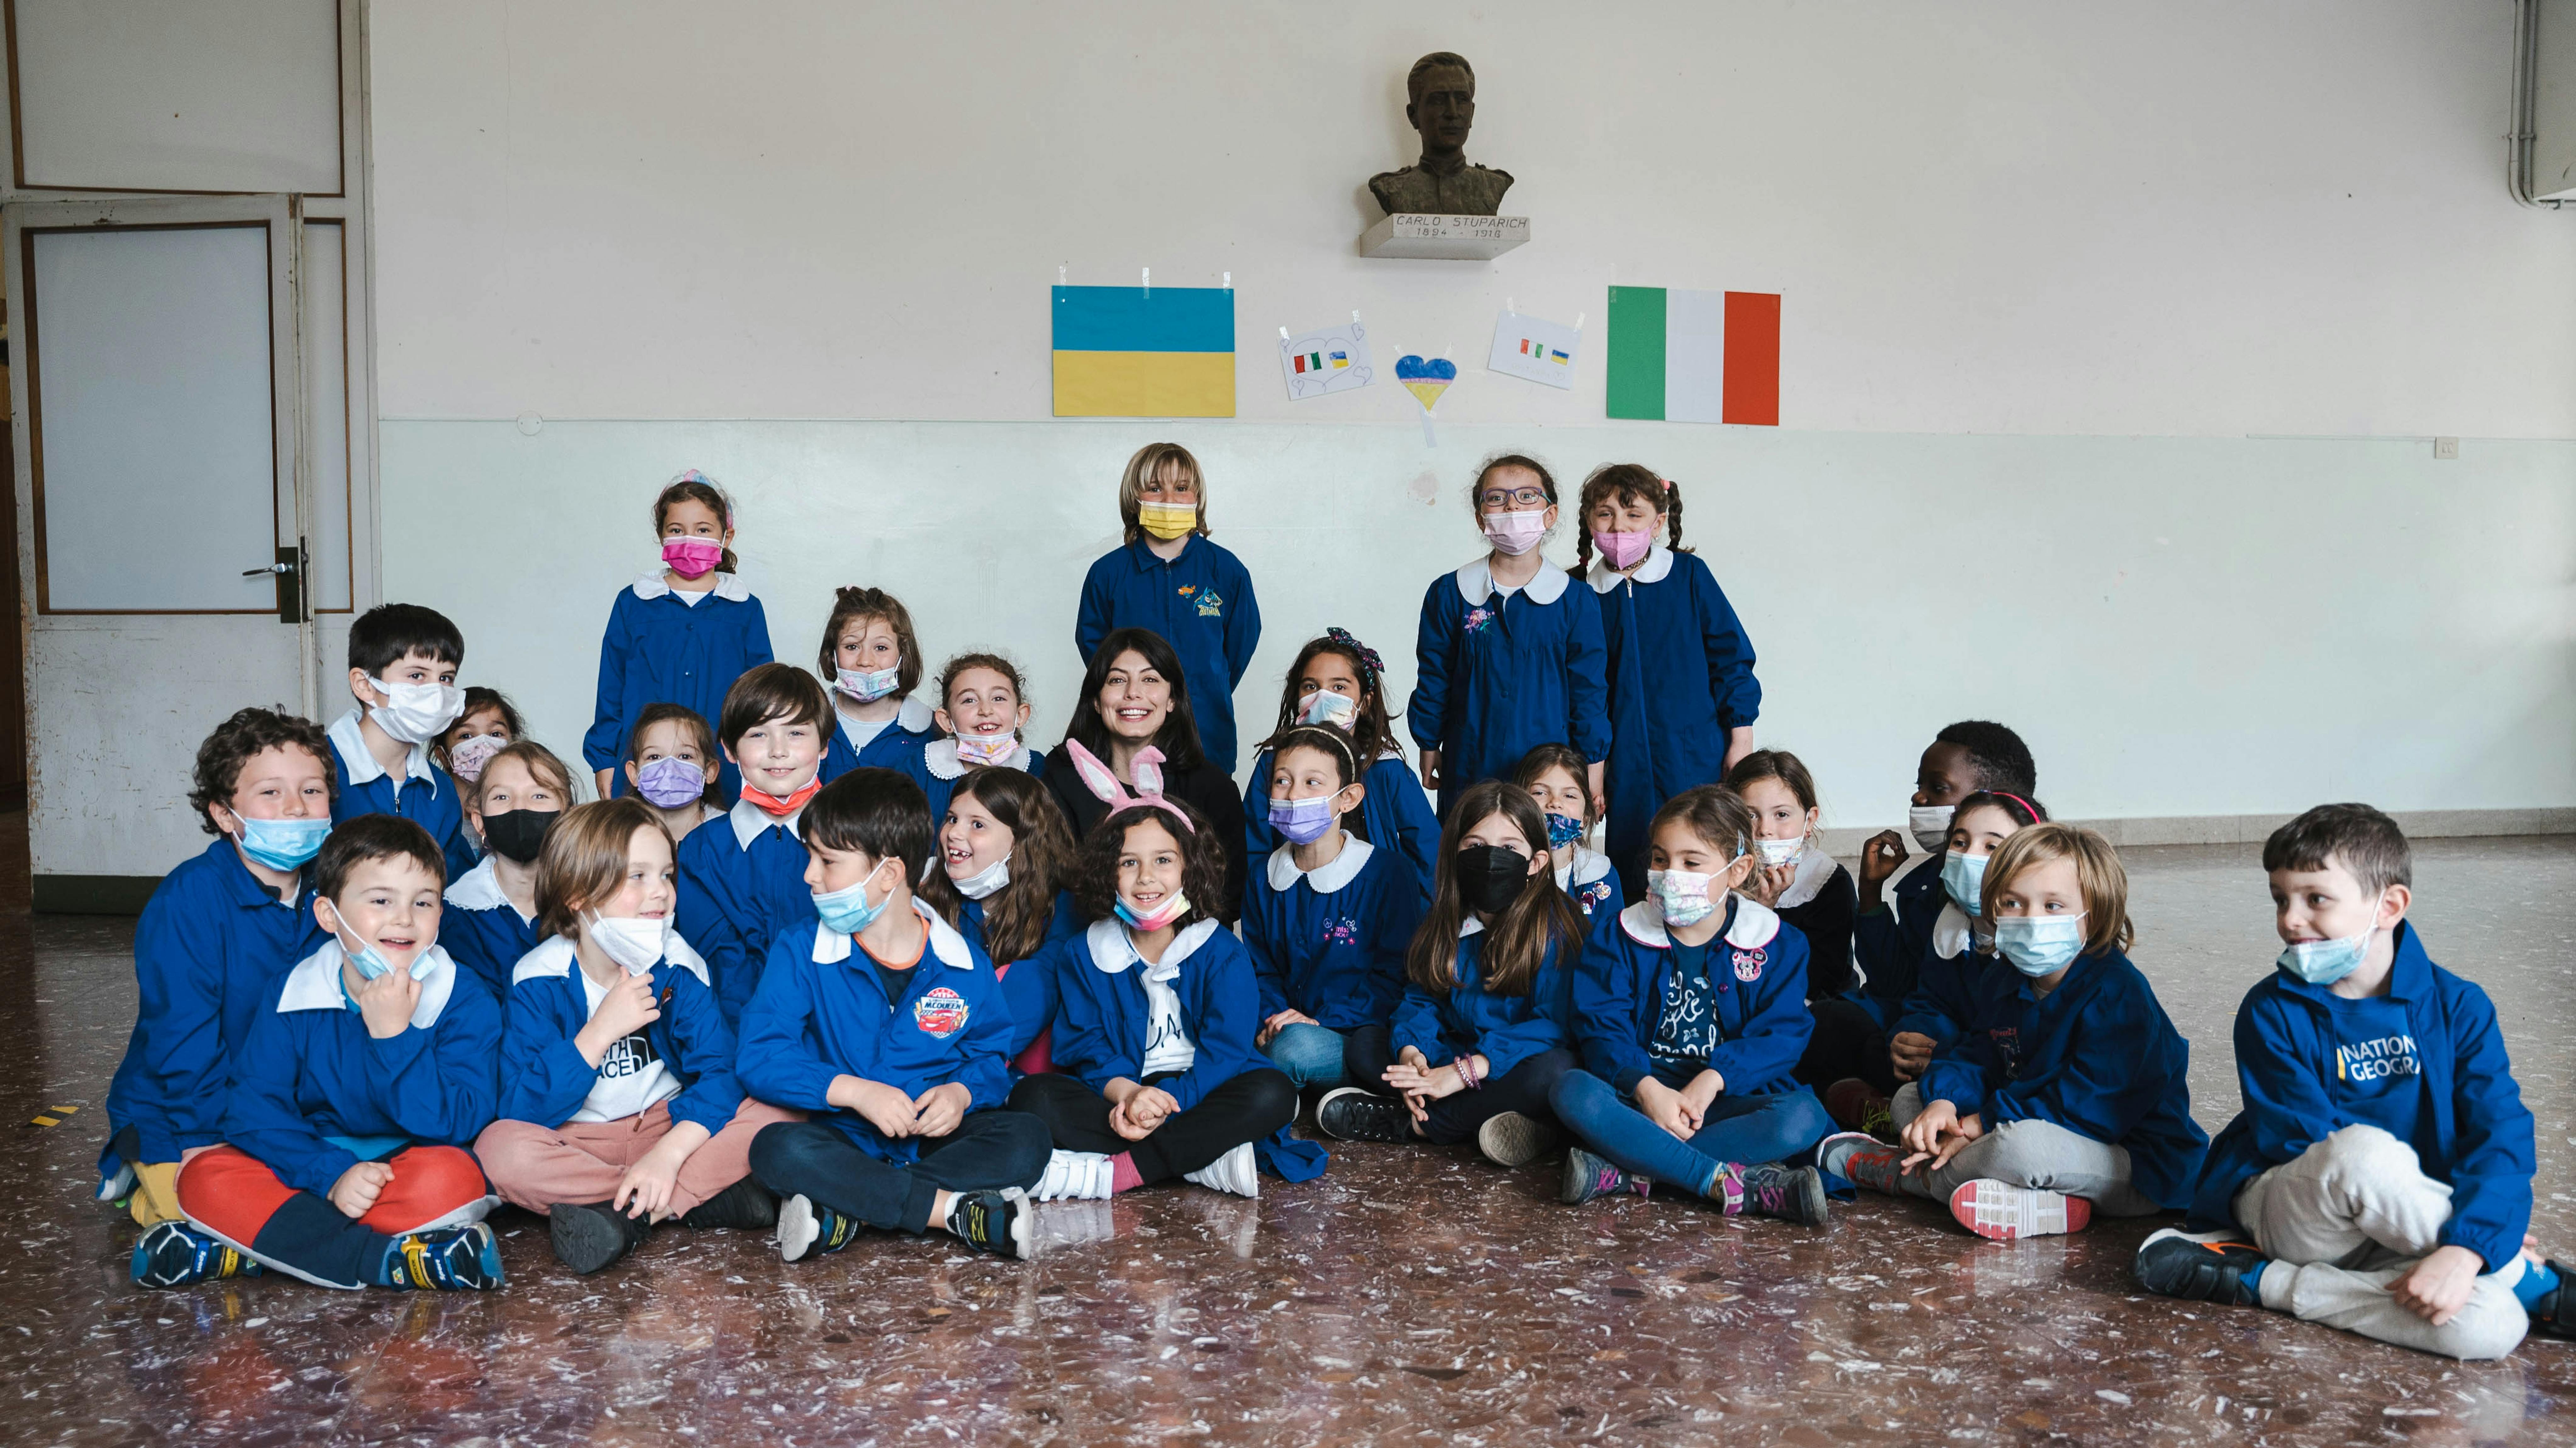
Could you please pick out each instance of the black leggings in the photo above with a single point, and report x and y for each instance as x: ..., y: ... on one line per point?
x: 816, y: 1159
x: 1455, y: 1117
x: 1243, y: 1108
x: 1846, y: 1043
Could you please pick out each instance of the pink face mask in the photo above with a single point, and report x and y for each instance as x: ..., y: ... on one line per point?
x: 1623, y: 549
x: 692, y: 557
x: 1514, y: 534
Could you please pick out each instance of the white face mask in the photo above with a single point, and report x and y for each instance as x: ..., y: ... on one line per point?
x: 984, y: 881
x: 416, y: 713
x: 632, y: 941
x: 1776, y: 853
x: 1930, y: 825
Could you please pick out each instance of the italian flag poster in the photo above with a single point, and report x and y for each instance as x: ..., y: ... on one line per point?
x: 1677, y: 356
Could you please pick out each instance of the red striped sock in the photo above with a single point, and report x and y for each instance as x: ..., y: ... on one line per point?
x: 1123, y: 1174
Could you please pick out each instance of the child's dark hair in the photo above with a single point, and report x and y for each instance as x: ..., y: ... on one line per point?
x: 1372, y: 724
x: 1179, y: 736
x: 388, y: 633
x: 689, y: 719
x: 1016, y: 916
x: 854, y: 605
x: 360, y: 838
x: 949, y: 672
x: 1539, y: 917
x: 880, y: 813
x: 1777, y: 764
x: 1996, y: 753
x: 1095, y: 869
x: 696, y: 487
x: 239, y: 739
x: 771, y: 691
x: 2024, y: 809
x: 478, y: 699
x: 1546, y: 479
x: 1625, y: 483
x: 2367, y: 843
x: 1535, y: 765
x: 1326, y: 741
x: 1713, y: 812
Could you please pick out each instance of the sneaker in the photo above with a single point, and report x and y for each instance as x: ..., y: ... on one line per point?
x: 995, y: 1222
x: 1233, y: 1172
x: 1511, y: 1139
x: 1351, y: 1113
x: 746, y: 1204
x: 1071, y: 1223
x: 807, y: 1228
x: 1588, y: 1176
x: 2552, y: 1315
x: 2203, y: 1267
x: 1862, y: 1159
x: 1082, y: 1176
x: 2002, y: 1212
x: 451, y: 1259
x: 174, y: 1254
x: 1790, y: 1193
x: 589, y: 1236
x: 1856, y: 1106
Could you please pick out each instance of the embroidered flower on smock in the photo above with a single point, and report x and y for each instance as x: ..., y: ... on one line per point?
x: 1477, y: 618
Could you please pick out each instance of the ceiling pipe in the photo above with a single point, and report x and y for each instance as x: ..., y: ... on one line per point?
x: 2526, y: 103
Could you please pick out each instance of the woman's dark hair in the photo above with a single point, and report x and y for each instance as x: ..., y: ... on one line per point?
x: 1545, y: 757
x: 1372, y: 726
x: 1540, y: 917
x: 1016, y: 916
x: 1179, y: 736
x: 696, y: 487
x: 233, y: 744
x: 1095, y: 869
x: 1625, y: 483
x: 876, y: 812
x: 360, y: 838
x: 854, y: 605
x: 2026, y: 810
x: 1326, y: 741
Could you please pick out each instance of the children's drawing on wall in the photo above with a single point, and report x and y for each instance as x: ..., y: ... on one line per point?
x: 1535, y: 349
x: 1426, y: 380
x: 1335, y: 359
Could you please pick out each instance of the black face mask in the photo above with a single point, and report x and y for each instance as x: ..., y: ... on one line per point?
x: 1490, y: 877
x: 518, y: 834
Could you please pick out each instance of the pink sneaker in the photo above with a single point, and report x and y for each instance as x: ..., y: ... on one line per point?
x: 2001, y: 1211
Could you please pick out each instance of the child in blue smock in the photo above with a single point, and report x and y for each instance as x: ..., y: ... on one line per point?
x: 2067, y: 1094
x: 1480, y: 1037
x: 369, y: 1068
x: 2378, y: 1178
x: 1682, y: 693
x: 1510, y: 654
x: 885, y: 1024
x: 1555, y: 777
x: 1326, y: 917
x: 1005, y: 857
x: 983, y: 711
x: 491, y: 920
x: 217, y: 930
x: 681, y: 634
x: 1168, y: 577
x: 1691, y: 1011
x: 871, y: 662
x: 1887, y: 943
x: 402, y: 671
x: 742, y: 880
x: 1338, y: 682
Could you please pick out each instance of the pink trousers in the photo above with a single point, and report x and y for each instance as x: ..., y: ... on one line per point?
x: 536, y: 1166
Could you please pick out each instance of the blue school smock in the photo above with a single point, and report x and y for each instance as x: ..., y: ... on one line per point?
x: 426, y: 795
x: 310, y: 1072
x: 742, y: 883
x: 936, y: 768
x: 1681, y: 677
x: 484, y: 932
x: 1330, y: 942
x: 1501, y: 673
x: 822, y: 1013
x: 2309, y: 1066
x: 1757, y: 966
x: 1956, y: 957
x: 544, y: 1078
x: 1201, y: 603
x: 1591, y: 882
x: 903, y: 735
x: 1102, y: 1018
x: 211, y: 940
x: 1395, y: 816
x: 2097, y: 1057
x: 658, y: 650
x: 1888, y: 943
x: 1029, y: 985
x: 1505, y: 1030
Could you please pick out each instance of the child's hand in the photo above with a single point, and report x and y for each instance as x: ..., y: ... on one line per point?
x: 2437, y: 1287
x: 1765, y: 885
x: 1146, y: 1108
x: 1922, y: 1135
x: 645, y: 1190
x: 385, y: 1003
x: 937, y: 1111
x: 1879, y: 857
x: 1702, y: 1093
x: 627, y: 1007
x: 356, y: 1191
x: 1431, y: 769
x: 1273, y: 1026
x: 1667, y: 1108
x: 881, y: 1106
x: 1909, y: 1052
x: 1952, y: 1141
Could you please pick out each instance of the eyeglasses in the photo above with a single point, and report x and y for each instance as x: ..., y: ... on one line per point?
x: 1518, y: 498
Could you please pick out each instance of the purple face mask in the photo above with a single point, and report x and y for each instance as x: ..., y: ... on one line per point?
x: 670, y: 782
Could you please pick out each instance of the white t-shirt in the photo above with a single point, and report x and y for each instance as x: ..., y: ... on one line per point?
x: 863, y: 732
x: 1167, y: 1041
x: 632, y: 1079
x: 689, y: 596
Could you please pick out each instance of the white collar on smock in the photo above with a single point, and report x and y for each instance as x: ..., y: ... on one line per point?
x: 314, y: 985
x: 555, y: 956
x: 1752, y: 928
x: 1476, y: 582
x: 729, y: 586
x: 1658, y: 564
x: 749, y: 820
x: 1112, y: 951
x: 360, y: 761
x: 1326, y: 878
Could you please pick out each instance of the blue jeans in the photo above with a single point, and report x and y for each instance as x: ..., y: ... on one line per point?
x: 1740, y: 1129
x: 1314, y: 1055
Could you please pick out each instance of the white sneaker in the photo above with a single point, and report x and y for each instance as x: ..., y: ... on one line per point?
x: 1071, y: 1224
x: 1078, y: 1175
x: 1232, y: 1172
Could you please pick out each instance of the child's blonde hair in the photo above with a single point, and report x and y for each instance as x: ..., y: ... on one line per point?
x: 1147, y: 466
x: 2099, y: 875
x: 540, y: 763
x: 583, y: 859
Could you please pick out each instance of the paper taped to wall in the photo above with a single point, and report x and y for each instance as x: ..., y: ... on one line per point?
x: 1335, y: 359
x: 1133, y: 352
x: 1534, y: 349
x: 1683, y: 356
x: 1426, y: 380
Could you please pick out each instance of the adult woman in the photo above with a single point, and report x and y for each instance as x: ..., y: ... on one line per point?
x: 1134, y: 699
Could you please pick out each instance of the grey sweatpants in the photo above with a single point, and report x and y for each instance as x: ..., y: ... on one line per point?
x: 2349, y: 1217
x: 2029, y: 1153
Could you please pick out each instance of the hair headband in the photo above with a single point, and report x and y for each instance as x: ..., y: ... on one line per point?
x: 2027, y: 807
x: 1367, y: 656
x: 1148, y: 769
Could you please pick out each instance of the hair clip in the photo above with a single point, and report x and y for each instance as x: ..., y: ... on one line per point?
x: 1367, y: 656
x: 1148, y: 768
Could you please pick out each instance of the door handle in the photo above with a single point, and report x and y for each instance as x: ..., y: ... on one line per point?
x: 271, y: 568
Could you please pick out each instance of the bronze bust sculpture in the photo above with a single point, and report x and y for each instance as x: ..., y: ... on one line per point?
x: 1441, y: 105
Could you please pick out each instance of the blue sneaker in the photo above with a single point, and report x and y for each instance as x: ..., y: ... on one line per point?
x: 451, y: 1259
x: 174, y: 1254
x: 807, y: 1228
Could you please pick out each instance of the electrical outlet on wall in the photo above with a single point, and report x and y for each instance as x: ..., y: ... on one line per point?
x: 2446, y: 449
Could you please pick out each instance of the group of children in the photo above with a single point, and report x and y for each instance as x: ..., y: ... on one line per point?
x: 827, y: 957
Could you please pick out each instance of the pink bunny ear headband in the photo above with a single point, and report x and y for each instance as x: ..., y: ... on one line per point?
x: 1148, y: 769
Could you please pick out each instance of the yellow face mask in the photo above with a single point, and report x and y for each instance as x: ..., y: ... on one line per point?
x: 1168, y: 521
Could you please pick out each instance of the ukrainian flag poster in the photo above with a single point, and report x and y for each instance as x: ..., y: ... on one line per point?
x: 1139, y: 352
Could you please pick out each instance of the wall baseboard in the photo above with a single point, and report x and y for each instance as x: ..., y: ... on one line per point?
x: 2424, y: 824
x: 93, y: 894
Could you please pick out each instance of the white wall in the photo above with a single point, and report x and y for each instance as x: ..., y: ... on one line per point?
x: 2136, y: 234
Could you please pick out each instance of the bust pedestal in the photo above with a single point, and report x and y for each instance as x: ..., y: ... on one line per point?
x: 1422, y: 236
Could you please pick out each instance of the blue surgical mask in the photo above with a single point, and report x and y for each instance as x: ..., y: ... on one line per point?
x: 847, y: 910
x: 1563, y: 830
x: 1304, y: 821
x: 1964, y: 877
x: 2039, y: 945
x: 283, y: 844
x: 372, y: 965
x: 2323, y: 962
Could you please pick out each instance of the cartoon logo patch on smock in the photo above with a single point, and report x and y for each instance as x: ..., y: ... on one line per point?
x: 1749, y: 963
x: 940, y: 1011
x: 1210, y: 606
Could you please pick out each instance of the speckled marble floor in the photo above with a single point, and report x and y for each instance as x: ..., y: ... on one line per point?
x: 1408, y: 1295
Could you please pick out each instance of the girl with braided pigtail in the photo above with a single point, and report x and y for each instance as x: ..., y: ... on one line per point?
x: 1338, y: 683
